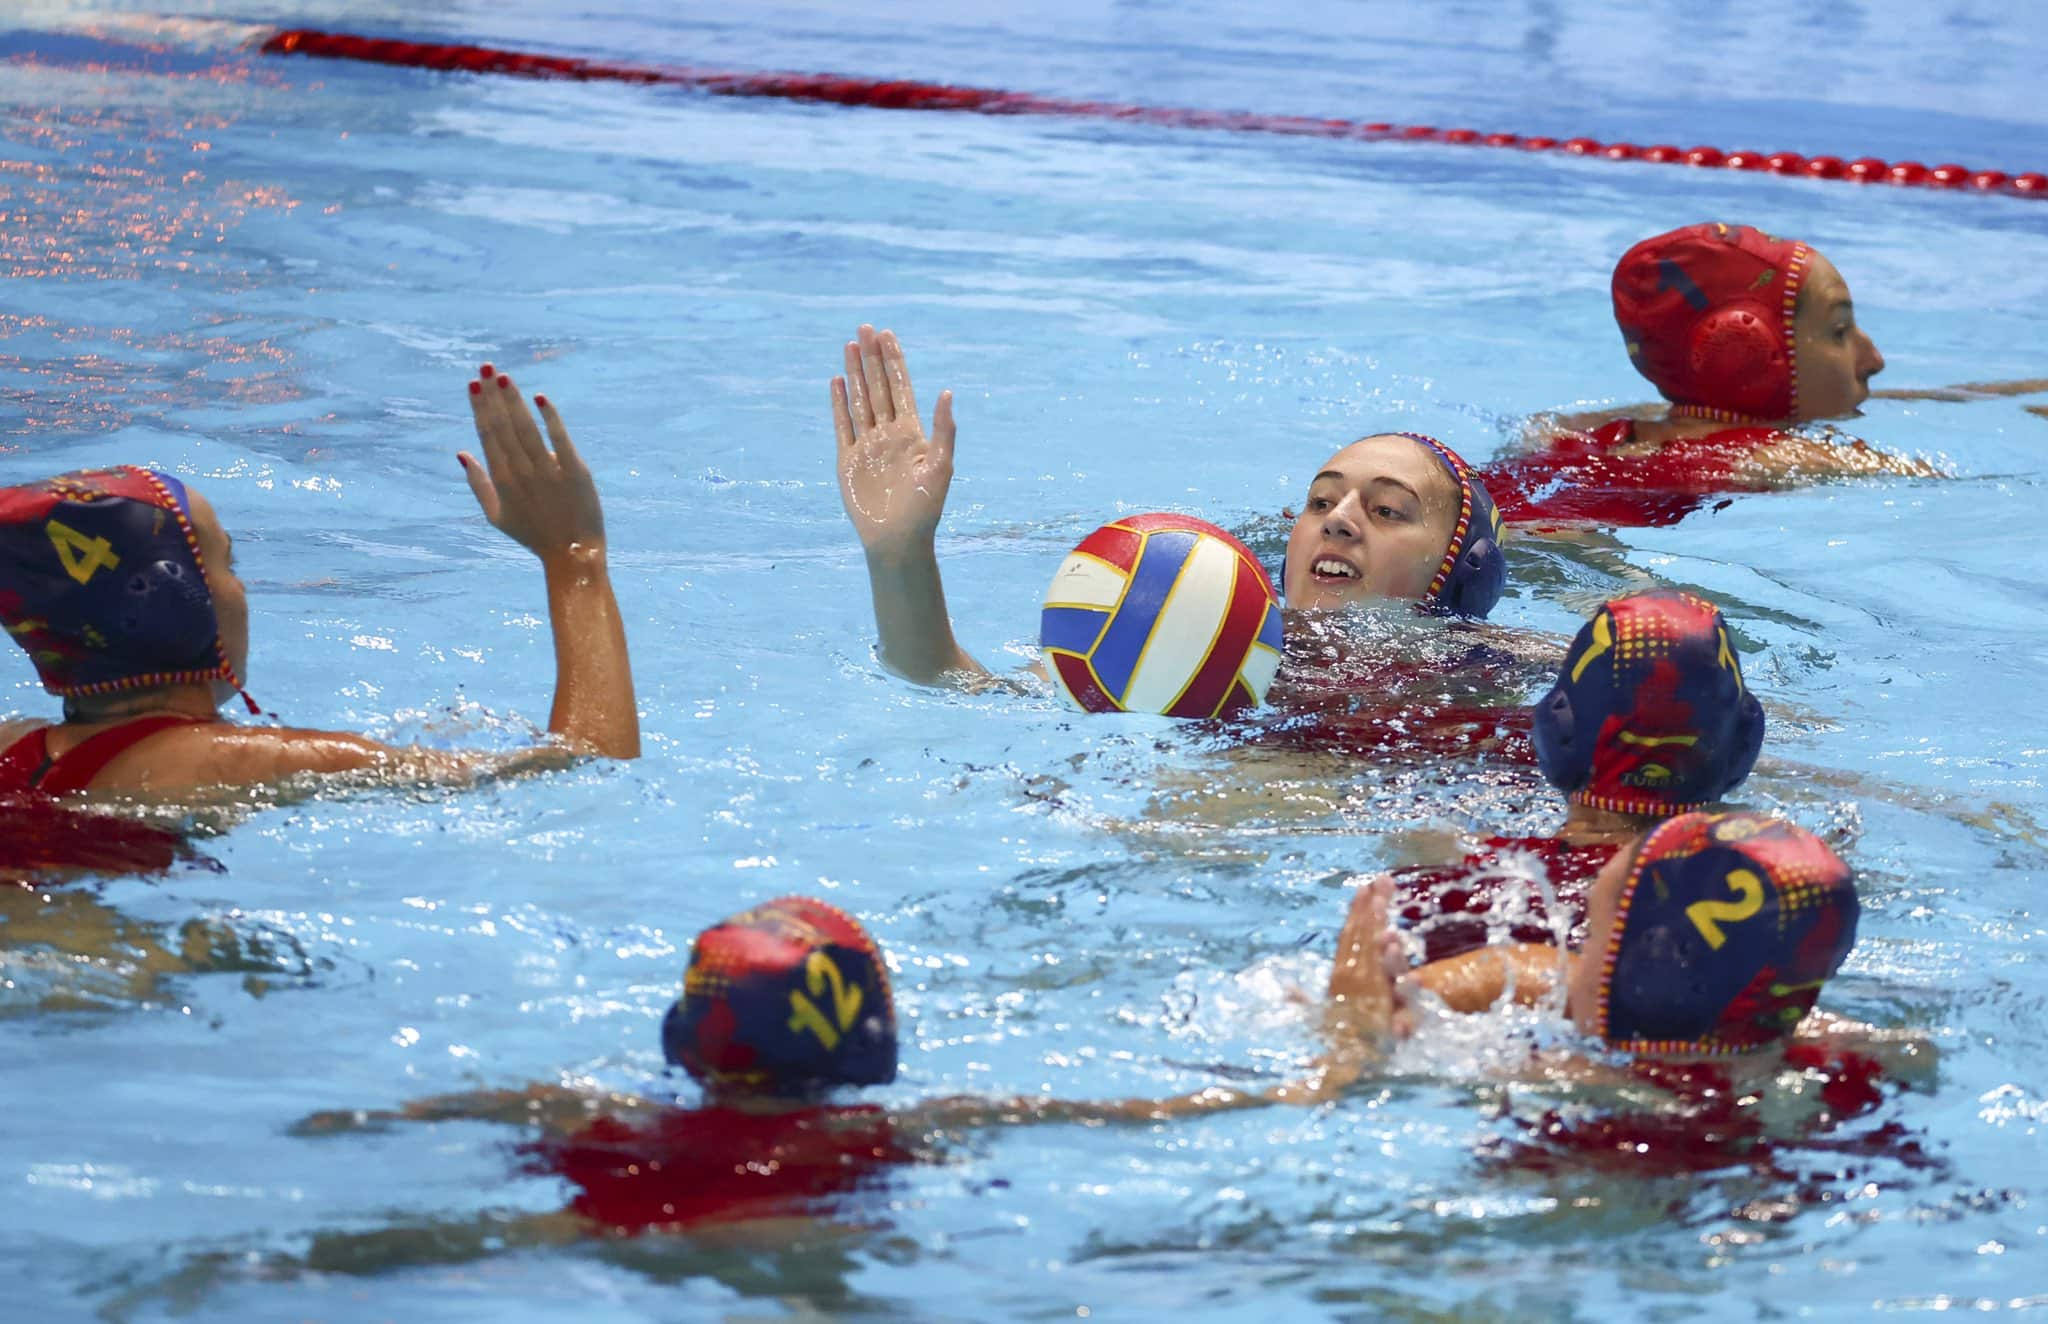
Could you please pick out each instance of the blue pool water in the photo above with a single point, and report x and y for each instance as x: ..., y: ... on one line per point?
x: 272, y: 276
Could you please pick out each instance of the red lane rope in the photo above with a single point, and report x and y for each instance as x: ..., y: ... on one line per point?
x: 902, y: 95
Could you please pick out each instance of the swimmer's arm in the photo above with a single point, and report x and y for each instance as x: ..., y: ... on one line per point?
x: 1966, y: 391
x: 1365, y: 1002
x: 1996, y: 817
x: 1476, y: 980
x: 411, y: 1245
x: 1907, y: 1056
x: 1370, y: 985
x: 546, y: 501
x: 1327, y: 1078
x: 1540, y: 428
x: 213, y: 755
x: 1794, y: 456
x: 893, y: 483
x: 594, y: 711
x: 910, y: 616
x: 549, y: 1107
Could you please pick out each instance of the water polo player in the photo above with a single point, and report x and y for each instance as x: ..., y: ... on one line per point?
x: 1392, y: 516
x: 120, y: 584
x: 1649, y: 717
x: 1711, y: 935
x: 783, y: 1006
x: 1747, y: 336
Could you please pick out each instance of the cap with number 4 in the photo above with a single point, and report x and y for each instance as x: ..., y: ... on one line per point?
x: 102, y: 583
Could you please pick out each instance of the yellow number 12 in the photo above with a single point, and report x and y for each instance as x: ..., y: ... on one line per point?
x: 819, y: 970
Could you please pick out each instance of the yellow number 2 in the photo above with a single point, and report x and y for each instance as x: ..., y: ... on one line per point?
x: 83, y: 557
x: 819, y: 970
x: 1748, y: 888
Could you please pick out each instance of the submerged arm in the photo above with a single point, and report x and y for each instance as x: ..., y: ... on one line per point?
x: 1835, y: 454
x: 1327, y: 1078
x: 1966, y: 392
x: 554, y: 1107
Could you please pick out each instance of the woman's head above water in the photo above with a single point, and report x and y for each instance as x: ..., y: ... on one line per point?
x: 1713, y: 934
x: 120, y: 580
x: 1396, y: 515
x: 1733, y: 324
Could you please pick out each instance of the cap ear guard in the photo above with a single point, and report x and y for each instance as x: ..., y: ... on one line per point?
x: 168, y: 608
x: 1474, y: 571
x: 1749, y: 742
x: 1737, y: 349
x: 1479, y: 573
x: 1565, y: 762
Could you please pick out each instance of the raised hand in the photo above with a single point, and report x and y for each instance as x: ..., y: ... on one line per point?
x: 542, y: 499
x: 546, y: 502
x: 1369, y: 981
x: 892, y: 478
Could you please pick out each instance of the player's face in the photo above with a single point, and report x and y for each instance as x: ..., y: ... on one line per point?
x: 1376, y: 524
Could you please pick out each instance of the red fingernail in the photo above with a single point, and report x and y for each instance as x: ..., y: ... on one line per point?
x: 476, y: 388
x: 486, y: 372
x: 503, y: 381
x: 540, y: 400
x: 463, y: 460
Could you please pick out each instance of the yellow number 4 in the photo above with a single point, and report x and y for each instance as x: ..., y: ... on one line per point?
x: 83, y: 557
x: 1749, y: 890
x: 820, y: 970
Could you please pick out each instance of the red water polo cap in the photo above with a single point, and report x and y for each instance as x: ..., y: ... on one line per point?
x: 1706, y: 312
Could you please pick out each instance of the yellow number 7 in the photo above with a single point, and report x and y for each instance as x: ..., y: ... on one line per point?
x: 820, y: 970
x: 1749, y: 890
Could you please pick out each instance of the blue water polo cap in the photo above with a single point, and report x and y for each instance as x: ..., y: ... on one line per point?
x: 1474, y: 570
x: 101, y: 582
x: 1725, y: 929
x: 788, y: 998
x: 1649, y: 714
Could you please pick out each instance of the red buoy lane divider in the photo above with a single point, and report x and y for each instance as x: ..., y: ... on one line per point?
x: 900, y: 94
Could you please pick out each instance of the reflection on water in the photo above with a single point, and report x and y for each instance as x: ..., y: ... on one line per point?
x: 64, y: 949
x: 124, y: 195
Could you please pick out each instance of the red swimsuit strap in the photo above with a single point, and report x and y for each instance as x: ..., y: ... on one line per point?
x: 74, y: 769
x: 23, y: 763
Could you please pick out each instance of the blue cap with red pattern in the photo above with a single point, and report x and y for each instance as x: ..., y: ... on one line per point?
x: 1474, y: 570
x: 788, y: 998
x: 101, y: 582
x: 1724, y: 932
x: 1649, y: 714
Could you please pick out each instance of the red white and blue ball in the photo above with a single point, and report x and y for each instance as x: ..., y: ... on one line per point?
x: 1162, y: 614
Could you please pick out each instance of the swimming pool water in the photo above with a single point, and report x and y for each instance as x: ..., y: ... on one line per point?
x: 272, y: 276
